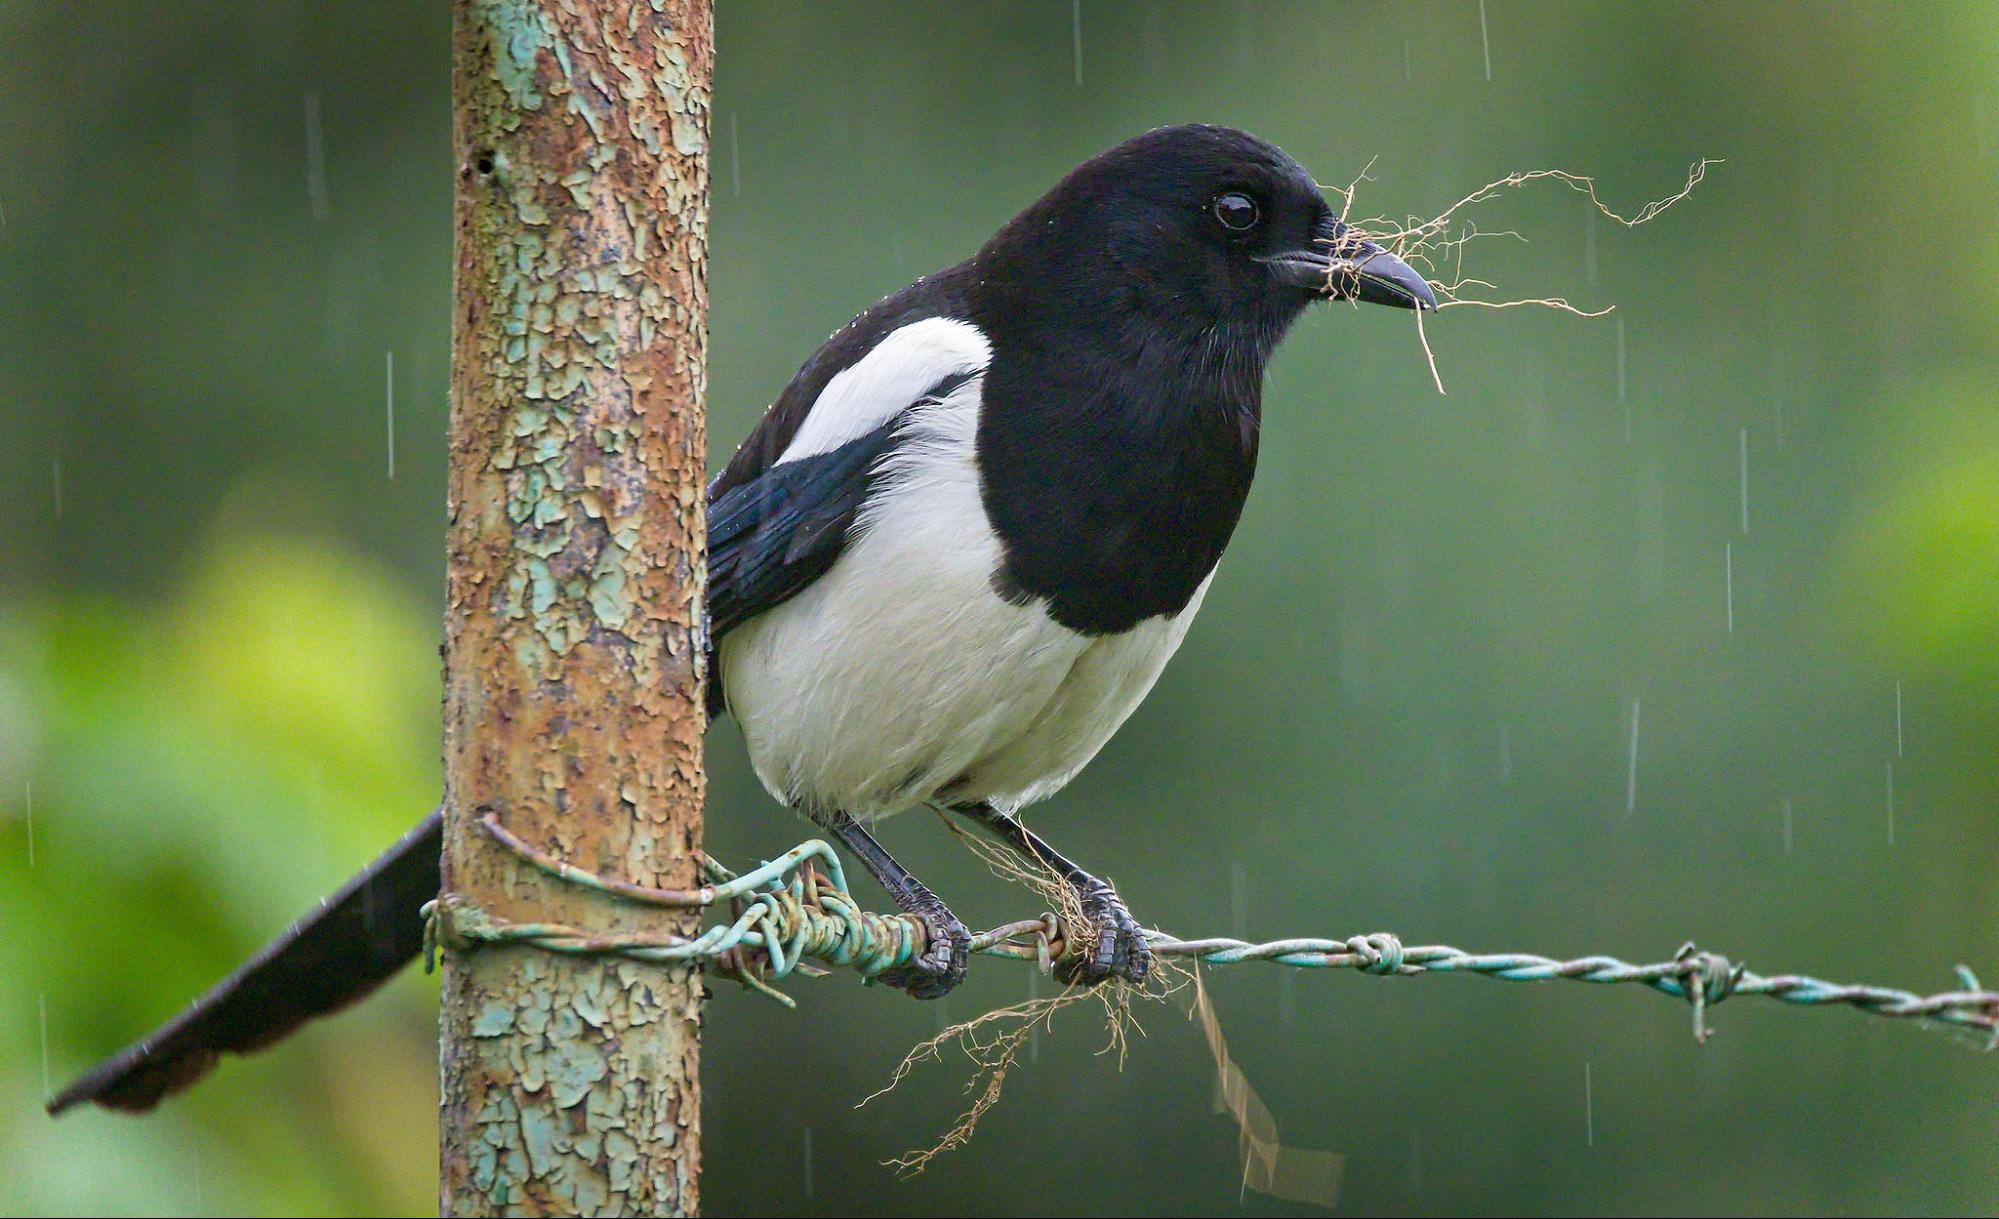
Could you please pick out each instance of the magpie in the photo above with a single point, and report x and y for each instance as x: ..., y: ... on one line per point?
x: 954, y: 555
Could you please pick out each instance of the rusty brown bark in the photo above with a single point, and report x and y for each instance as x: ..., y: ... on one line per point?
x: 572, y: 670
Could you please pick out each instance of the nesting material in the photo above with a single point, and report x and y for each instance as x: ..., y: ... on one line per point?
x: 1436, y: 246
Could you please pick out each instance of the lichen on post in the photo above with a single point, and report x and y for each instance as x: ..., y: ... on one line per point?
x: 572, y: 659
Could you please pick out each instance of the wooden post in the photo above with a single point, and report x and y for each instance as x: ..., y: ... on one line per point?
x: 572, y: 664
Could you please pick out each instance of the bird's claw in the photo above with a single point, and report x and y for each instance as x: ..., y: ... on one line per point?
x: 941, y: 965
x: 1119, y: 951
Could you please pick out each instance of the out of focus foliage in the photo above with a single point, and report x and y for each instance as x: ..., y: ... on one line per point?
x: 196, y: 767
x: 1408, y: 703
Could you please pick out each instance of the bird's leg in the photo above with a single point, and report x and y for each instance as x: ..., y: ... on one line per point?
x: 1120, y: 949
x: 942, y: 963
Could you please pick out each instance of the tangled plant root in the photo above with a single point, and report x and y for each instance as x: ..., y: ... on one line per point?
x: 1436, y: 246
x: 993, y: 1041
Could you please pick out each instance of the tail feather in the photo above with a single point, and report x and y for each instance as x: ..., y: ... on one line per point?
x: 355, y: 941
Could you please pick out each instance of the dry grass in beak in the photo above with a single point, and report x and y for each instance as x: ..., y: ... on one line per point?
x: 1436, y: 246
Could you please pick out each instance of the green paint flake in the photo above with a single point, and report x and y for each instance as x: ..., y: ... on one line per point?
x: 542, y: 1138
x: 535, y: 1013
x: 588, y: 1192
x: 621, y: 1158
x: 541, y: 588
x: 520, y: 34
x: 574, y: 1066
x: 690, y: 135
x: 607, y: 592
x: 494, y: 1020
x: 579, y: 104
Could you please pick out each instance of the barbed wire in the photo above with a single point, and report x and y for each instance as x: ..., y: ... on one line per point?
x: 794, y: 914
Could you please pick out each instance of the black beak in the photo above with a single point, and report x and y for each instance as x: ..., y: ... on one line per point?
x: 1343, y: 266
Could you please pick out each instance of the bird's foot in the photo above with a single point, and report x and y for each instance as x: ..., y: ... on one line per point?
x: 941, y: 964
x: 1119, y: 950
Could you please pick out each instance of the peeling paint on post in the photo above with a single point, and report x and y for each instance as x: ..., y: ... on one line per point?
x: 572, y: 672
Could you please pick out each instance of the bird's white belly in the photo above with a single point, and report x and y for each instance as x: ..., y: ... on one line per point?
x: 900, y: 676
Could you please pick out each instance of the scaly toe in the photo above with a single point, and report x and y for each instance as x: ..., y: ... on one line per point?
x: 1120, y: 950
x: 941, y: 965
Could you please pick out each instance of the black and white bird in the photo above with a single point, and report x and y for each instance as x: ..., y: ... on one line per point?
x: 957, y: 551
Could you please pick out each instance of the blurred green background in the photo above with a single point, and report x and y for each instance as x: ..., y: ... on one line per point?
x: 1408, y: 704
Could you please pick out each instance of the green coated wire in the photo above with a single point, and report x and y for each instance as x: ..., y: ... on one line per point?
x: 787, y: 915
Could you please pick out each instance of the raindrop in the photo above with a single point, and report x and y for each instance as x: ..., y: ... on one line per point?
x: 1154, y: 36
x: 1787, y: 825
x: 1891, y: 804
x: 808, y: 1162
x: 1743, y: 448
x: 1505, y: 754
x: 390, y: 383
x: 1620, y: 359
x: 1631, y: 772
x: 1245, y: 34
x: 42, y: 1012
x: 1898, y: 719
x: 1076, y: 35
x: 1620, y: 380
x: 1589, y: 245
x: 315, y: 158
x: 1650, y: 530
x: 1777, y: 374
x: 1589, y: 1106
x: 28, y: 802
x: 735, y: 158
x: 1895, y: 327
x: 1485, y: 40
x: 1408, y: 68
x: 1415, y: 1160
x: 1978, y: 125
x: 1033, y: 1030
x: 1728, y: 561
x: 1238, y: 897
x: 58, y: 469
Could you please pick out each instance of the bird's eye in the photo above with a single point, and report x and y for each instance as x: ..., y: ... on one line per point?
x: 1236, y: 212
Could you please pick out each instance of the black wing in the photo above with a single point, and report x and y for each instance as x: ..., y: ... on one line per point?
x: 770, y: 537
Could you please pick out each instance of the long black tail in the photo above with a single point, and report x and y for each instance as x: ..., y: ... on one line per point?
x: 353, y: 943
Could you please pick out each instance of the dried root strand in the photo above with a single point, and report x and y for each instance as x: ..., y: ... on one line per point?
x: 1436, y: 246
x: 993, y: 1043
x: 994, y: 1040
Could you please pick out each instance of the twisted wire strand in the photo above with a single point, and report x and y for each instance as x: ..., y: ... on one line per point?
x: 793, y: 914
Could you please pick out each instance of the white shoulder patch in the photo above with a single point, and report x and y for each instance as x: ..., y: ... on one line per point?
x: 907, y: 361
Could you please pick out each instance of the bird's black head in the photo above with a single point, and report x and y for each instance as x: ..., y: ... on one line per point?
x: 1199, y: 231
